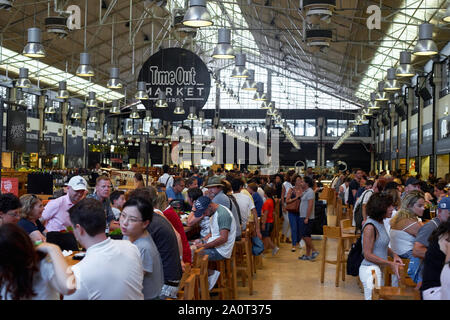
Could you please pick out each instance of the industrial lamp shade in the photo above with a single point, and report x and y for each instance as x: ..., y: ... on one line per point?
x: 141, y: 93
x: 373, y: 103
x: 425, y: 45
x: 93, y: 119
x: 6, y: 4
x: 76, y: 115
x: 114, y: 81
x: 201, y: 116
x: 260, y: 95
x: 34, y: 47
x: 161, y: 102
x: 381, y: 95
x: 268, y: 105
x: 62, y: 90
x: 85, y: 69
x: 92, y: 101
x: 148, y: 116
x: 405, y: 69
x: 240, y: 71
x: 23, y: 81
x: 192, y: 115
x: 250, y: 84
x: 179, y: 107
x: 50, y: 110
x: 446, y: 17
x: 134, y: 114
x: 115, y: 107
x: 391, y: 84
x: 197, y: 15
x: 224, y: 50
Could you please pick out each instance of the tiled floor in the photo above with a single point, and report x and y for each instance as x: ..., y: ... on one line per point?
x: 284, y: 276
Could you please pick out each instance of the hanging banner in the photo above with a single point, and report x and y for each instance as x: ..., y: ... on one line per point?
x: 16, y: 131
x: 32, y: 144
x: 74, y: 146
x: 179, y: 73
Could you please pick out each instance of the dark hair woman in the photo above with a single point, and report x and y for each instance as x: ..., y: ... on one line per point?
x: 138, y: 181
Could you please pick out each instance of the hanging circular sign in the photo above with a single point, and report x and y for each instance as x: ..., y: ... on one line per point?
x: 179, y: 73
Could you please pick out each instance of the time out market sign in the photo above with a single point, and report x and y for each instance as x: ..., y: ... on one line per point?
x: 179, y: 73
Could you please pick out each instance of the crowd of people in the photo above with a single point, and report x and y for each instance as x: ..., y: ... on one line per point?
x: 398, y: 216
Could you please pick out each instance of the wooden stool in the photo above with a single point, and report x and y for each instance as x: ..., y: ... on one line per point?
x: 226, y: 284
x: 202, y: 276
x: 392, y: 293
x: 190, y: 286
x: 404, y: 280
x: 243, y: 260
x: 340, y: 262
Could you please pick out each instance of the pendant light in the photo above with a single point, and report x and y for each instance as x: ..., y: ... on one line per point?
x: 250, y: 84
x: 115, y: 107
x: 153, y: 142
x: 134, y: 114
x: 373, y: 103
x: 85, y: 69
x: 192, y: 115
x: 141, y: 93
x: 92, y: 101
x: 391, y: 83
x: 446, y: 17
x: 50, y: 109
x: 260, y: 95
x: 6, y: 4
x: 405, y: 69
x: 34, y: 47
x: 76, y: 115
x: 240, y: 71
x: 179, y: 107
x: 148, y: 116
x: 93, y: 118
x: 223, y: 50
x: 201, y: 116
x: 197, y: 15
x: 161, y: 102
x: 23, y: 81
x: 114, y: 81
x: 425, y: 45
x: 160, y: 144
x: 381, y: 95
x: 267, y: 105
x: 62, y: 90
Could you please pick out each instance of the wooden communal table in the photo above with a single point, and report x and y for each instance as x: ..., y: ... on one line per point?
x: 70, y: 261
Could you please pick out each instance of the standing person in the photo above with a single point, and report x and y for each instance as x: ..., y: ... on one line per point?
x: 295, y: 193
x: 9, y: 208
x: 287, y: 185
x: 309, y: 173
x: 361, y: 203
x: 106, y: 261
x: 166, y: 178
x: 245, y: 203
x: 101, y: 193
x: 307, y: 218
x: 353, y: 187
x: 267, y: 220
x: 252, y: 188
x: 56, y: 211
x: 117, y: 199
x: 29, y: 272
x: 375, y: 241
x: 32, y: 209
x: 135, y: 217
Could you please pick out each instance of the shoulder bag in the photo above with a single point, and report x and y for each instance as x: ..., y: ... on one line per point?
x: 293, y: 207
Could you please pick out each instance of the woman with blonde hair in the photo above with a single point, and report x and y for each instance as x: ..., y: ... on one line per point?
x: 404, y: 227
x: 161, y: 201
x: 30, y: 213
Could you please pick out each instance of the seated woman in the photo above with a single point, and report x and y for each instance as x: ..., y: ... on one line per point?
x: 31, y: 211
x: 444, y: 244
x: 375, y: 242
x: 29, y: 272
x: 404, y: 228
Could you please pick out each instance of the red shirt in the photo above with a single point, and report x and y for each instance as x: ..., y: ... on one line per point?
x: 174, y: 219
x: 268, y: 206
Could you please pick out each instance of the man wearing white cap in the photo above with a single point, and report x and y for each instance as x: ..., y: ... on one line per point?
x: 56, y: 211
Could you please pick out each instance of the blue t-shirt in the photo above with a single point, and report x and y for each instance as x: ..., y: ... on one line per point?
x: 258, y: 202
x: 171, y: 194
x: 29, y: 226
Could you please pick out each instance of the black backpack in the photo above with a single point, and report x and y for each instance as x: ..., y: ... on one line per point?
x: 355, y: 257
x: 358, y: 215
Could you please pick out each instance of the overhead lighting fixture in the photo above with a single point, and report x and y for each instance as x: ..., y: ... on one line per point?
x: 260, y: 95
x: 224, y: 50
x: 134, y: 114
x: 148, y: 116
x: 161, y: 102
x: 85, y: 69
x: 50, y: 109
x: 192, y: 115
x: 391, y: 83
x: 425, y: 45
x: 160, y: 144
x: 197, y: 15
x: 153, y: 142
x: 34, y: 47
x: 201, y: 116
x: 446, y: 17
x: 373, y: 103
x: 405, y: 69
x: 114, y: 81
x: 141, y: 93
x: 76, y: 115
x: 115, y: 107
x: 6, y: 4
x: 267, y: 105
x: 23, y: 81
x: 250, y: 84
x: 93, y: 118
x: 179, y: 107
x: 240, y: 71
x: 19, y: 97
x: 62, y: 90
x: 381, y: 95
x: 92, y: 101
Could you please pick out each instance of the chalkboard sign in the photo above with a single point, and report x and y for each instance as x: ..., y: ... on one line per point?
x: 56, y: 144
x: 16, y: 130
x: 179, y: 73
x: 32, y: 144
x: 75, y: 146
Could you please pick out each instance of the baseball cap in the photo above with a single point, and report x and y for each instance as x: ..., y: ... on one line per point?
x: 444, y: 203
x: 77, y: 183
x: 200, y: 205
x: 411, y: 180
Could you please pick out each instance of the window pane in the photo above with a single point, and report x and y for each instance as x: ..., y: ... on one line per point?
x: 332, y: 129
x: 310, y: 127
x: 299, y: 127
x: 342, y: 126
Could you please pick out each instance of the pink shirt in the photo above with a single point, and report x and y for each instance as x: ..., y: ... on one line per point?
x: 56, y: 214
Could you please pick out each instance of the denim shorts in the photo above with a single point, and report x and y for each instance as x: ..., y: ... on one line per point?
x: 305, y: 228
x: 266, y: 233
x: 213, y: 254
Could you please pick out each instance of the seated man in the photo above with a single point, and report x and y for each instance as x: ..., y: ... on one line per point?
x: 9, y: 208
x: 175, y: 192
x: 117, y: 199
x: 111, y: 269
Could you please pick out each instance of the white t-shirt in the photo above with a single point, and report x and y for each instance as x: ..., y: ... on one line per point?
x: 223, y: 218
x: 42, y: 285
x: 364, y: 196
x: 245, y: 206
x: 166, y: 179
x: 111, y: 270
x: 287, y: 185
x: 261, y: 193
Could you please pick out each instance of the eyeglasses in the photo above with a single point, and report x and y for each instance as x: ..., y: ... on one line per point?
x: 13, y: 214
x: 124, y: 217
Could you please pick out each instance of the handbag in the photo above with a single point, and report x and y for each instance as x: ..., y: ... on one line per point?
x: 293, y: 206
x: 257, y: 246
x: 354, y: 259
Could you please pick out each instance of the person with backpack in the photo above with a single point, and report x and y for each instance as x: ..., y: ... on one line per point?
x: 375, y: 243
x: 359, y: 211
x: 166, y: 178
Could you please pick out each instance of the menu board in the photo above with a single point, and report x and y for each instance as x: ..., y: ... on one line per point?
x: 16, y: 130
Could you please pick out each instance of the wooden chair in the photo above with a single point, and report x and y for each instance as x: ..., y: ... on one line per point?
x: 190, y: 286
x: 404, y: 280
x: 392, y: 293
x: 244, y: 260
x: 202, y: 277
x: 330, y: 232
x: 257, y: 262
